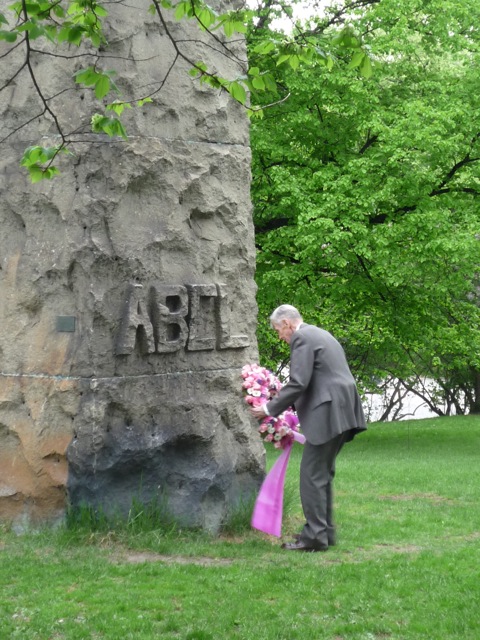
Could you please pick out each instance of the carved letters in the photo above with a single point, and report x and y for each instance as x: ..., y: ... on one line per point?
x: 167, y: 317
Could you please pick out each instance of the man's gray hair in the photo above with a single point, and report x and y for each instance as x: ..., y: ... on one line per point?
x: 285, y: 311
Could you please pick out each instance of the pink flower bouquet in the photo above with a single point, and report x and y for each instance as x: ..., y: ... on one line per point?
x: 260, y: 385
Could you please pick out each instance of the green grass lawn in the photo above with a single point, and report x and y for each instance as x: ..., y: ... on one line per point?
x: 407, y: 563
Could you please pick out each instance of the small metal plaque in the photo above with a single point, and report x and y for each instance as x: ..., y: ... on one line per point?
x: 66, y: 324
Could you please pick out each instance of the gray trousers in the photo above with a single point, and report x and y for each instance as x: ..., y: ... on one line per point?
x: 317, y: 471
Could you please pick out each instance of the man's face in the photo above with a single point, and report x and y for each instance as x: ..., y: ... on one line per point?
x: 284, y: 329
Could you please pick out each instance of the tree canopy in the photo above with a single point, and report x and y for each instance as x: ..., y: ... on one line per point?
x: 366, y: 197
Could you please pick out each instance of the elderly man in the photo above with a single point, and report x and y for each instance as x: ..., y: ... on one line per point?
x: 325, y: 396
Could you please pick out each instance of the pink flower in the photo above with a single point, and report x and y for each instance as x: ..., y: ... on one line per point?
x: 260, y: 386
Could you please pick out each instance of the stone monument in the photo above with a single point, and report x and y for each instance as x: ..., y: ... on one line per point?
x: 127, y: 299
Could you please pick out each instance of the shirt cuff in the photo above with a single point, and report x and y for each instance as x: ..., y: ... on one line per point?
x: 266, y: 410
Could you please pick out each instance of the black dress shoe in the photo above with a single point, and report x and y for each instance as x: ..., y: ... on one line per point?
x: 299, y: 545
x: 298, y: 536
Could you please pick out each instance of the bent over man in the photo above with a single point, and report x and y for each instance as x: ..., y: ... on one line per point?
x: 326, y: 399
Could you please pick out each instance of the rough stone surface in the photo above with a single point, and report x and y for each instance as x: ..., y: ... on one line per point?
x: 127, y: 301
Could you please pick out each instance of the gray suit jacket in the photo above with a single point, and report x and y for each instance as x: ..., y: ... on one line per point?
x: 321, y: 387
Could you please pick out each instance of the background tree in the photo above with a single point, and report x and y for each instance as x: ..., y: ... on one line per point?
x: 366, y: 198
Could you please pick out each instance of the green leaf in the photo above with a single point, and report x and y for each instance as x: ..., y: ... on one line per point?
x: 255, y: 113
x: 34, y: 30
x: 214, y: 81
x: 50, y: 172
x: 306, y: 54
x: 366, y: 67
x: 118, y: 107
x: 338, y: 39
x: 36, y: 174
x: 228, y: 27
x: 75, y: 34
x: 238, y: 92
x: 31, y: 155
x: 74, y: 7
x: 198, y: 69
x: 96, y: 39
x: 88, y: 76
x: 3, y: 20
x: 180, y: 10
x: 97, y: 122
x: 117, y: 129
x: 140, y: 103
x: 50, y: 32
x: 110, y: 126
x: 270, y: 83
x: 294, y: 62
x: 50, y: 152
x: 38, y: 155
x: 100, y: 11
x: 8, y: 36
x: 283, y: 58
x: 59, y: 11
x: 240, y: 27
x: 32, y: 8
x: 264, y: 47
x: 206, y: 17
x: 62, y: 35
x: 102, y: 87
x: 356, y: 60
x: 258, y: 83
x: 17, y: 7
x: 320, y: 53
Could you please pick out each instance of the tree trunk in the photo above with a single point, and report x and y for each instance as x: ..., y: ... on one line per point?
x: 475, y: 405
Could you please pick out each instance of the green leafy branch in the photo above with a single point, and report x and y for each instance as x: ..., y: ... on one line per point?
x: 73, y: 22
x: 316, y: 49
x: 230, y: 22
x: 81, y: 20
x: 101, y: 81
x: 39, y: 162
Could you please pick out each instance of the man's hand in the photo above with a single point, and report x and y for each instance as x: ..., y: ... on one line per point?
x: 258, y: 412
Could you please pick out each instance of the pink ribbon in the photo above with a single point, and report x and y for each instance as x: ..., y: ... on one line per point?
x: 268, y: 509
